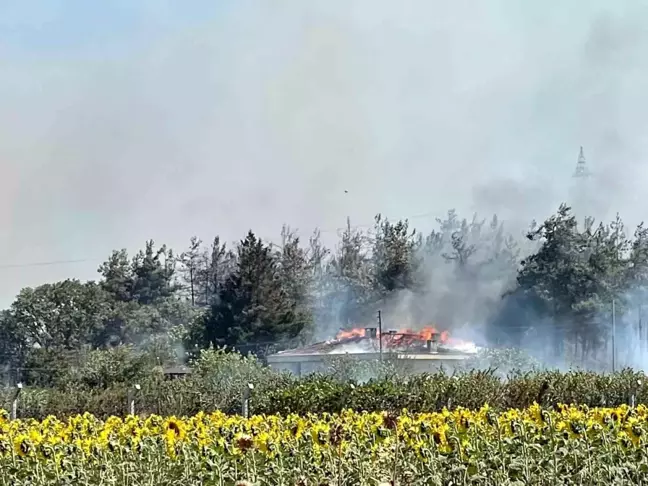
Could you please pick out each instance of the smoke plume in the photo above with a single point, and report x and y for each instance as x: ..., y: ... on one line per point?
x: 130, y: 120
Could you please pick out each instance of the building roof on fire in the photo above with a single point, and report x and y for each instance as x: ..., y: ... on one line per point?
x: 360, y: 345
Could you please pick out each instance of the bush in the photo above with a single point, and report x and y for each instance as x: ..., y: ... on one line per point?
x: 346, y: 368
x: 432, y: 392
x: 503, y: 361
x: 106, y: 368
x: 101, y: 387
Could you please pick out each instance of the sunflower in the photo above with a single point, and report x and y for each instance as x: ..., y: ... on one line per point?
x: 21, y: 445
x: 633, y: 430
x: 243, y: 442
x: 535, y: 411
x: 177, y: 427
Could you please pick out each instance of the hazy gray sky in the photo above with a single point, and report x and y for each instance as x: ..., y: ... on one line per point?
x: 136, y: 119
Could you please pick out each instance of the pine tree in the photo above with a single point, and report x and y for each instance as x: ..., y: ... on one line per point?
x: 252, y: 307
x: 153, y: 272
x: 350, y: 298
x: 395, y: 257
x: 190, y: 261
x: 118, y: 278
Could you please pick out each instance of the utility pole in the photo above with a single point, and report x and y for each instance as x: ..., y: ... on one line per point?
x: 641, y: 333
x: 245, y: 405
x: 131, y: 398
x: 613, y: 335
x: 14, y: 402
x: 380, y: 335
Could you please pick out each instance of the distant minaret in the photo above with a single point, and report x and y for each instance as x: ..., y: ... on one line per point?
x: 584, y: 200
x: 581, y: 167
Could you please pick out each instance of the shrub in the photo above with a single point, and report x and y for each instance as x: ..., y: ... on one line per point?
x: 101, y: 386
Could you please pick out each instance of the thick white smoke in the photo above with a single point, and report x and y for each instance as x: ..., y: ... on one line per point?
x: 133, y: 120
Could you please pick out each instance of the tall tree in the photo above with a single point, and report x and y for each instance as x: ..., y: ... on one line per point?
x: 13, y: 340
x: 118, y: 278
x: 190, y: 261
x: 252, y: 306
x: 217, y: 263
x: 296, y: 275
x: 63, y: 315
x: 395, y: 256
x: 467, y: 264
x: 572, y: 279
x: 349, y: 274
x: 636, y: 279
x: 153, y: 272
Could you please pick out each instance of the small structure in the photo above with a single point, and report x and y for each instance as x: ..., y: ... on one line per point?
x: 175, y: 372
x: 421, y: 351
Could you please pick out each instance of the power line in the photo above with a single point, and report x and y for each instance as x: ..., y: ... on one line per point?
x: 5, y: 266
x: 319, y: 230
x: 44, y: 264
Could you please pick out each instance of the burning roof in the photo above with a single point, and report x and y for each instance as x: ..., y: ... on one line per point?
x: 368, y: 340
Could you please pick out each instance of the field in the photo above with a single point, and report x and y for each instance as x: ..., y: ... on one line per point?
x: 562, y: 445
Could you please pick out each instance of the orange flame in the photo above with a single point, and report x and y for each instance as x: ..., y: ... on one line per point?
x: 405, y: 337
x: 401, y: 337
x: 351, y: 333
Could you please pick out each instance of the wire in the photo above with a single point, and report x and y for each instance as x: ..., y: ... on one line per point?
x: 85, y: 260
x: 319, y: 230
x: 44, y: 264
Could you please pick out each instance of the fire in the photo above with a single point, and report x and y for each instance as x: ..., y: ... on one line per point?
x: 407, y: 337
x: 352, y: 333
x: 425, y: 334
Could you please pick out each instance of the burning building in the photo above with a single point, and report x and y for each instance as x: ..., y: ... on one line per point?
x: 424, y: 350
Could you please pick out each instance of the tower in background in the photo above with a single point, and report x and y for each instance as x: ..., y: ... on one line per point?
x: 583, y: 198
x: 581, y: 166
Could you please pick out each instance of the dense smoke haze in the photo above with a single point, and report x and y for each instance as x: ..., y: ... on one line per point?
x: 139, y: 119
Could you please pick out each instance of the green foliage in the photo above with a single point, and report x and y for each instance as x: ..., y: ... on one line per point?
x: 576, y: 273
x: 153, y: 271
x: 105, y: 368
x: 149, y: 276
x: 256, y: 297
x: 252, y: 305
x: 503, y: 361
x: 347, y: 368
x: 47, y: 367
x: 117, y: 276
x: 396, y: 258
x: 62, y: 315
x: 261, y: 296
x: 220, y: 378
x: 349, y: 297
x: 434, y: 391
x: 100, y: 383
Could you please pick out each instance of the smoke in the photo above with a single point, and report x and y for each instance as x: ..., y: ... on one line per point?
x: 140, y: 119
x: 353, y: 348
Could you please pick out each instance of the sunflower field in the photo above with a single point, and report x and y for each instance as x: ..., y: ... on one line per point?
x: 564, y: 445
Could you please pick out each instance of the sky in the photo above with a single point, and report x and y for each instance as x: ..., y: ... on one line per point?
x: 130, y: 120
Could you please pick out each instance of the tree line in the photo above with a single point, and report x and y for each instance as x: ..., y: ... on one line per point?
x: 551, y: 289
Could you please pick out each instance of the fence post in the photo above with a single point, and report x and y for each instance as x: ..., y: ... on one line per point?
x: 14, y: 403
x: 245, y: 406
x: 131, y: 399
x: 634, y: 394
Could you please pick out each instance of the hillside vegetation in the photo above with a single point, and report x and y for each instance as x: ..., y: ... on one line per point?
x: 550, y: 292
